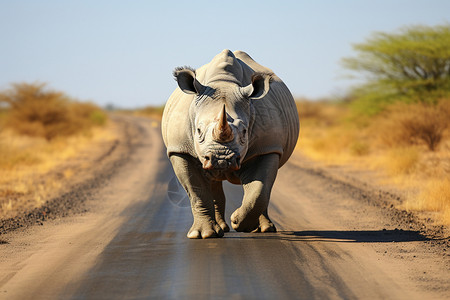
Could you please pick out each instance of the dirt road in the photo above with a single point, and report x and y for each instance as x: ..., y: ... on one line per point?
x: 333, y: 242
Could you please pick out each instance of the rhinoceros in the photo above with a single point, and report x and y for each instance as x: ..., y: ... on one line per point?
x: 231, y: 119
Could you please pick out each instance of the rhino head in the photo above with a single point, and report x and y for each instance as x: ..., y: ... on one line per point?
x: 222, y: 115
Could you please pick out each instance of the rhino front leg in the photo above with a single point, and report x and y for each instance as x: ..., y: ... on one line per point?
x: 257, y: 178
x: 198, y: 188
x: 265, y: 225
x: 219, y: 204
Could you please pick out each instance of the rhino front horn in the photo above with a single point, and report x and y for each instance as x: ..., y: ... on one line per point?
x: 222, y: 131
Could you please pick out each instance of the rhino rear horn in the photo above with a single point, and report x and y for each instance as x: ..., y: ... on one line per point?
x: 222, y: 131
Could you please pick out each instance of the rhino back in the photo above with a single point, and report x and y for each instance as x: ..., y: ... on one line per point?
x: 276, y: 126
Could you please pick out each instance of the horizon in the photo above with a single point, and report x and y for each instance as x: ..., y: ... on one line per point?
x: 124, y: 54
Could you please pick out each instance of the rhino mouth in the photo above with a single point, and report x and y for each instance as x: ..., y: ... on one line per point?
x: 221, y: 159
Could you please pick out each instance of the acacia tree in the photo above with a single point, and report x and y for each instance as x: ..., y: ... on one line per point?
x: 412, y: 64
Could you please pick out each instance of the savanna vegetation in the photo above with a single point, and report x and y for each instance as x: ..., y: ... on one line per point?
x: 398, y: 121
x: 39, y: 130
x: 150, y: 111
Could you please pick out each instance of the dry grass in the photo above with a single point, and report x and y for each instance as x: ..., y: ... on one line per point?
x: 434, y: 196
x: 408, y: 143
x: 153, y: 112
x: 401, y: 161
x: 35, y: 121
x: 37, y: 111
x: 33, y: 168
x: 40, y: 131
x: 321, y: 127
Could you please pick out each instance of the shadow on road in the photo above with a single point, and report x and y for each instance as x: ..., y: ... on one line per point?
x: 343, y: 236
x: 358, y: 236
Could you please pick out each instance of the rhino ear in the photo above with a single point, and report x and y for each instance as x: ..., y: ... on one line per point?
x: 185, y: 78
x: 259, y: 87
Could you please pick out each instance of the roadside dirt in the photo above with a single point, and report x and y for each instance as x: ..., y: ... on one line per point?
x: 338, y: 237
x: 362, y: 185
x: 91, y: 168
x: 40, y: 261
x: 411, y: 248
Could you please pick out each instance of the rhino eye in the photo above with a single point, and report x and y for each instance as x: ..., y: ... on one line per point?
x: 242, y: 137
x: 201, y: 137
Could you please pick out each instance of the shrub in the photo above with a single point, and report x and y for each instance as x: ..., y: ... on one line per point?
x: 88, y: 114
x: 411, y: 124
x: 35, y: 111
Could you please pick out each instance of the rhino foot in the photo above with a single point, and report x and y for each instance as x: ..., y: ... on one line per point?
x: 243, y: 222
x: 224, y: 226
x: 220, y: 220
x: 265, y: 225
x: 204, y: 230
x: 246, y: 223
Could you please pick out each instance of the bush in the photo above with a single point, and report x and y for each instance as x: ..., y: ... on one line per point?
x: 411, y: 124
x: 88, y: 114
x: 36, y: 111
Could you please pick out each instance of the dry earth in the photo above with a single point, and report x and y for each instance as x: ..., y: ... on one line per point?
x: 89, y: 168
x: 339, y: 238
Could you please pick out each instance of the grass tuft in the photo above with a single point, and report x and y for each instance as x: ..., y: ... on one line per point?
x: 435, y: 196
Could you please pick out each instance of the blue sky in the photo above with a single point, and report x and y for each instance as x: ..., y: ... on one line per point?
x: 123, y: 52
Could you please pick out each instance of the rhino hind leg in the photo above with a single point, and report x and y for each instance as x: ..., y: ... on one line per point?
x: 257, y: 178
x: 200, y: 194
x: 219, y: 204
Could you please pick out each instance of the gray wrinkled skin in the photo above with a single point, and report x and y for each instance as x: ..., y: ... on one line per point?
x: 231, y: 119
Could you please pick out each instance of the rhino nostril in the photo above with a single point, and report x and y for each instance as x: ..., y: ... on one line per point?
x: 207, y: 163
